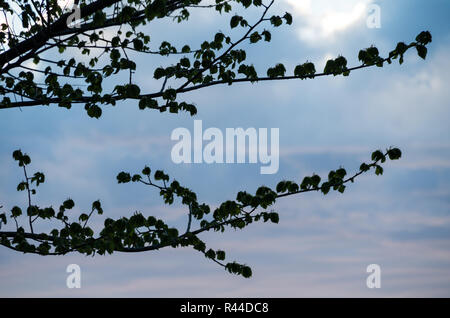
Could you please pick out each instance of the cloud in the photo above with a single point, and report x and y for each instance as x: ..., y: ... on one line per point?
x: 321, y: 246
x: 322, y: 20
x: 412, y: 103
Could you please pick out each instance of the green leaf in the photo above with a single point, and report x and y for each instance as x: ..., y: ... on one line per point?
x: 68, y: 204
x: 83, y: 217
x: 22, y: 186
x: 325, y: 188
x: 422, y: 51
x: 276, y: 21
x: 210, y: 254
x: 394, y: 154
x: 132, y: 91
x: 3, y: 218
x: 378, y: 170
x: 255, y: 37
x: 424, y: 37
x: 364, y: 167
x: 281, y: 187
x: 16, y: 211
x: 378, y: 155
x: 96, y: 205
x: 159, y: 73
x: 315, y: 180
x: 235, y: 21
x: 94, y: 111
x: 267, y: 36
x: 288, y: 18
x: 274, y: 217
x: 146, y: 171
x: 220, y: 255
x: 123, y: 177
x: 186, y: 49
x: 138, y: 44
x: 246, y: 272
x: 136, y: 178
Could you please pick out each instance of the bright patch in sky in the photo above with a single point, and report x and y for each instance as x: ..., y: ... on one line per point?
x: 323, y: 19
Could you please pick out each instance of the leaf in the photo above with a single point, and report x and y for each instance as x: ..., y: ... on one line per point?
x: 281, y: 186
x: 3, y: 218
x: 274, y: 217
x: 146, y: 171
x: 394, y: 154
x: 246, y: 272
x: 210, y: 254
x: 276, y: 21
x: 123, y: 177
x: 378, y: 170
x: 422, y: 51
x: 364, y: 167
x: 235, y: 21
x: 16, y: 211
x: 220, y: 255
x: 267, y: 36
x: 68, y: 204
x: 94, y: 111
x: 325, y: 188
x: 424, y: 37
x: 83, y: 217
x: 288, y: 18
x: 255, y: 37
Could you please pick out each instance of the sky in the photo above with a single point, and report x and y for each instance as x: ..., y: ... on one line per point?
x: 322, y: 245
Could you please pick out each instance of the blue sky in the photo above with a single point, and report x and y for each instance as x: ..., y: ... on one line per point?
x: 322, y: 245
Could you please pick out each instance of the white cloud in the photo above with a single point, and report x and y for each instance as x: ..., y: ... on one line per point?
x: 323, y: 19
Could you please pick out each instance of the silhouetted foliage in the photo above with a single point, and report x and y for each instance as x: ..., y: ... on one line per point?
x: 47, y: 27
